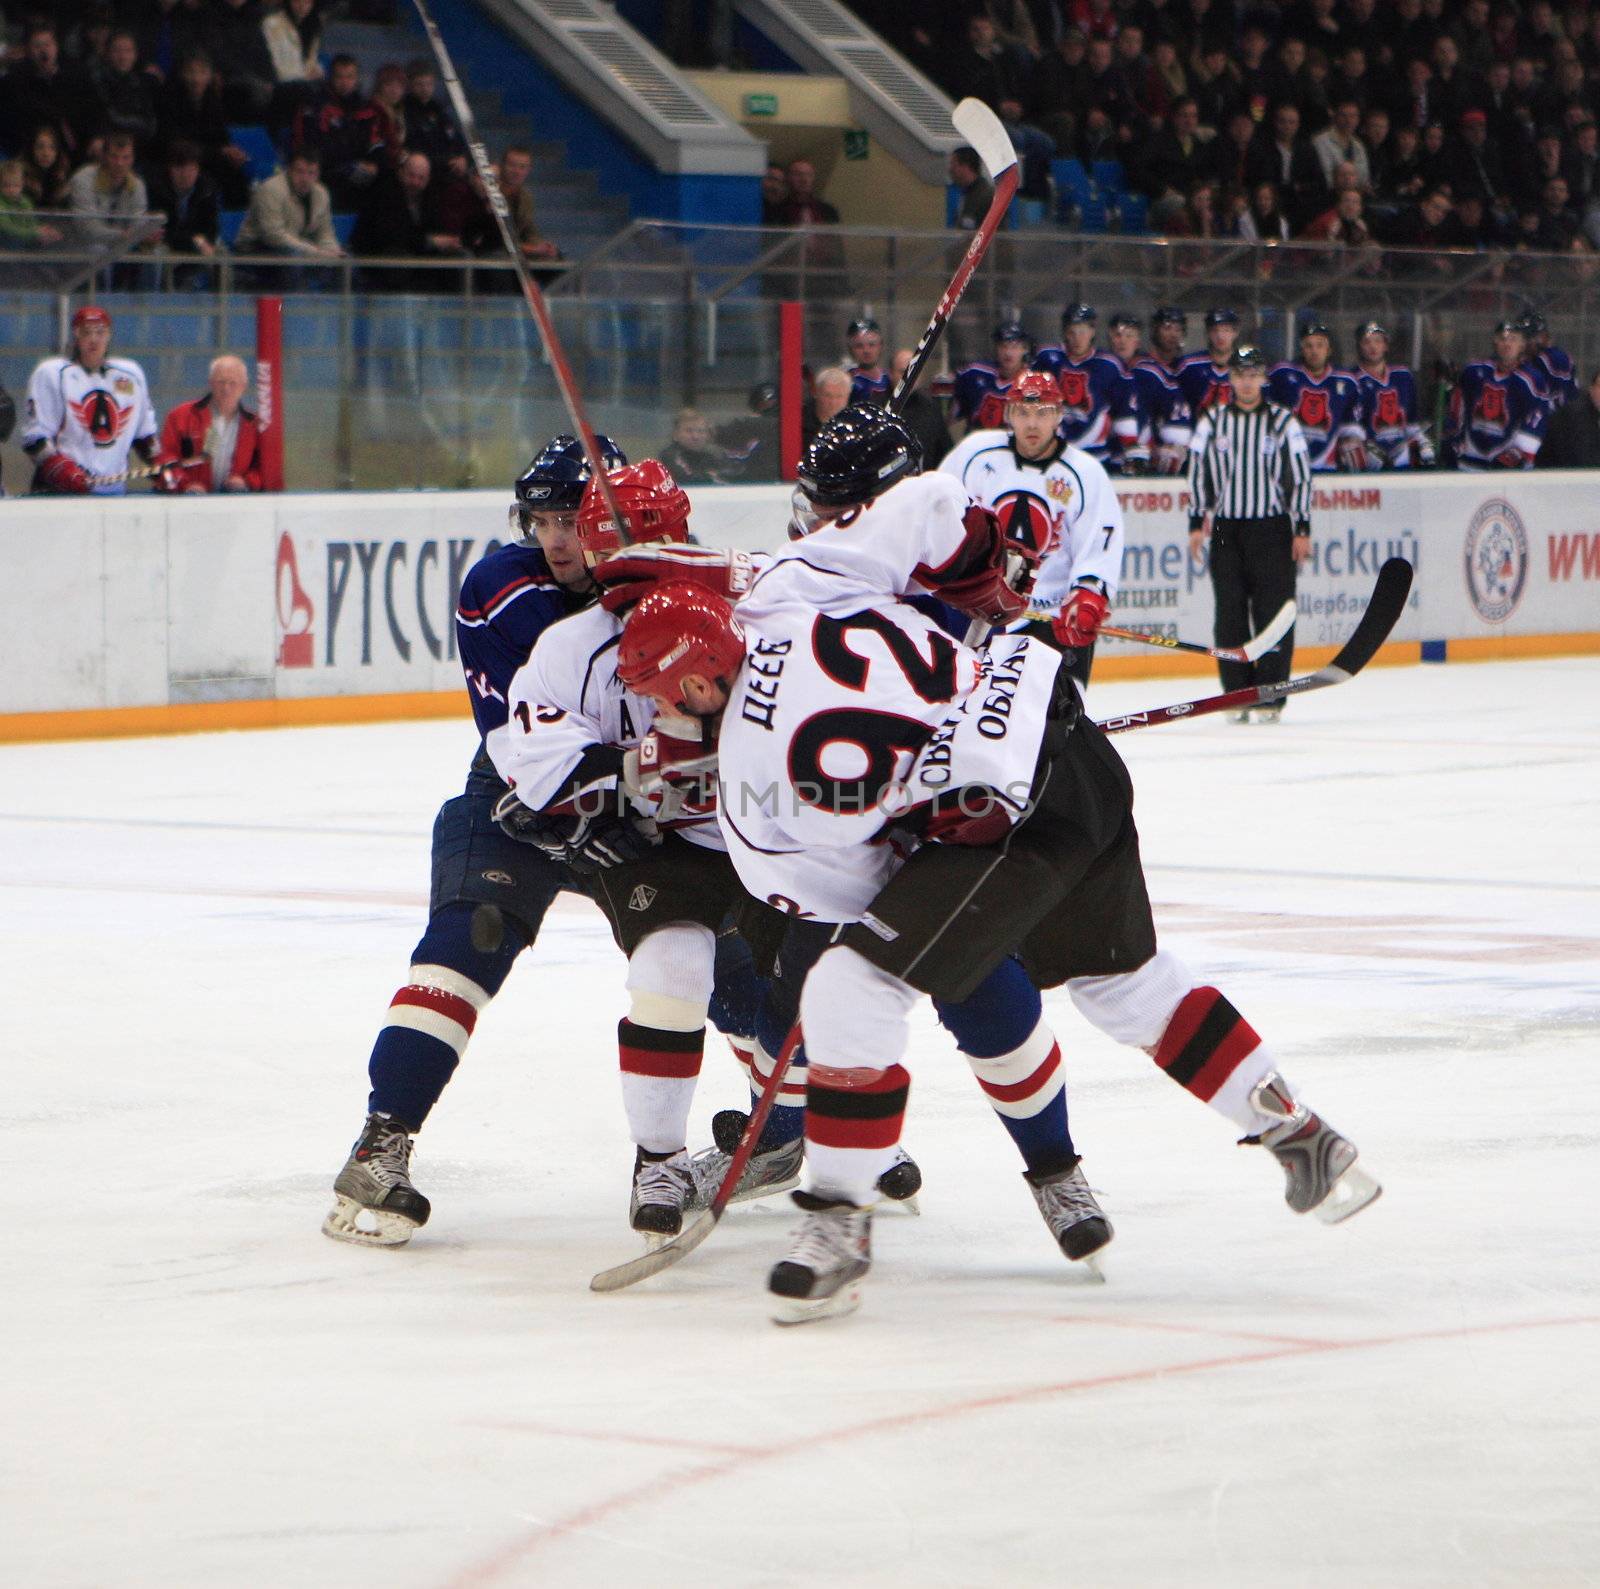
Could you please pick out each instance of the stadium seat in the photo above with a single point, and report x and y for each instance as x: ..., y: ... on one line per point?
x: 228, y: 224
x: 952, y: 203
x: 1134, y: 209
x: 344, y: 223
x: 258, y: 145
x: 1107, y: 176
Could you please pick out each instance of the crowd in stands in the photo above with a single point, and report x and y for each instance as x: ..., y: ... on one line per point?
x: 108, y: 114
x: 1423, y: 123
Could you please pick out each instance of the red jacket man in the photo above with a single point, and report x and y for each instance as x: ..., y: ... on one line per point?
x: 217, y: 433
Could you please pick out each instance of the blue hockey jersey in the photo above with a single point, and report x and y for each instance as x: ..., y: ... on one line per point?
x: 508, y: 599
x: 980, y: 397
x: 1328, y: 408
x: 1164, y: 423
x: 1203, y: 384
x: 1553, y: 367
x: 867, y: 388
x: 1495, y: 418
x: 1395, y: 436
x: 1099, y: 404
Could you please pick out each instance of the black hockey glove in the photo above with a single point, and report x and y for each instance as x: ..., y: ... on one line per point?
x: 547, y: 833
x: 610, y: 838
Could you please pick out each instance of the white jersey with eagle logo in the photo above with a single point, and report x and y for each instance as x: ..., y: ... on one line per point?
x: 854, y: 706
x: 93, y: 416
x: 569, y: 718
x: 1066, y: 495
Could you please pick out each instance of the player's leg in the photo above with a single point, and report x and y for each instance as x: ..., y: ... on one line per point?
x: 1272, y: 584
x: 1001, y: 1030
x: 489, y: 895
x: 1230, y: 588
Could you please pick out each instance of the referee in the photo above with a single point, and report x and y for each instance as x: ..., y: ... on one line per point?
x: 1250, y: 492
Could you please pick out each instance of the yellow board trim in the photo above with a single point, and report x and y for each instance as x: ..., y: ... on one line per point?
x: 205, y: 717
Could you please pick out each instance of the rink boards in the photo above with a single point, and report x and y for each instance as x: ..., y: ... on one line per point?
x: 152, y: 614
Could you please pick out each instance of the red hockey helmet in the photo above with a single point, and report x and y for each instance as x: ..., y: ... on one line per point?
x: 91, y: 314
x: 652, y: 504
x: 1035, y: 386
x: 676, y: 630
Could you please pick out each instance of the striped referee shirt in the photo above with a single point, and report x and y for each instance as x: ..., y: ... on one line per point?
x: 1249, y: 466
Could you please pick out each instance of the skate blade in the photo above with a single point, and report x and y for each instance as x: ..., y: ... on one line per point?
x: 1351, y: 1193
x: 387, y: 1229
x: 899, y: 1205
x: 771, y: 1189
x: 655, y: 1240
x: 789, y: 1311
x: 1091, y: 1266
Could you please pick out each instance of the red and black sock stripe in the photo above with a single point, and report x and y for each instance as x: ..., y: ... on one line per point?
x: 844, y: 1112
x: 1205, y: 1042
x: 654, y: 1051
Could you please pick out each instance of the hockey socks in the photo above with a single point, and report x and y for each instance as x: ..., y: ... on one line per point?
x: 788, y: 1118
x: 853, y: 1122
x: 1209, y: 1049
x: 659, y: 1071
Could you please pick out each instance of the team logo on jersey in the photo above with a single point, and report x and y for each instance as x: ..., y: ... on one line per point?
x: 1496, y: 560
x: 1026, y: 520
x: 100, y: 416
x: 642, y: 898
x: 1389, y: 411
x: 1491, y: 406
x: 1313, y: 409
x: 1074, y: 386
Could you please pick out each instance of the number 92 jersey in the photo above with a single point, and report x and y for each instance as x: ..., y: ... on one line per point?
x: 854, y: 707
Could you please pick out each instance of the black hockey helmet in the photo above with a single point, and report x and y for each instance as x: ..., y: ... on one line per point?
x: 1012, y: 331
x: 1519, y: 326
x: 1076, y: 314
x: 1247, y: 356
x: 554, y: 481
x: 762, y: 398
x: 1371, y: 328
x: 1311, y: 326
x: 1532, y: 323
x: 857, y: 455
x: 1169, y: 314
x: 1221, y: 317
x: 866, y: 323
x: 1122, y: 318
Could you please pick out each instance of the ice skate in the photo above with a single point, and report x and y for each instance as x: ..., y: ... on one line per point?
x: 1241, y: 716
x: 830, y: 1252
x: 663, y: 1184
x: 770, y: 1170
x: 1076, y: 1220
x: 1319, y: 1165
x: 901, y: 1182
x: 1269, y: 714
x: 375, y: 1203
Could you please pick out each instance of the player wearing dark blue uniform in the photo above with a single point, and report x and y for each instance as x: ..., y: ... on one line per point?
x: 1204, y: 379
x: 1497, y: 411
x: 1396, y: 438
x: 1326, y: 401
x: 1163, y: 413
x: 1553, y: 365
x: 1099, y: 403
x: 869, y: 381
x: 980, y: 390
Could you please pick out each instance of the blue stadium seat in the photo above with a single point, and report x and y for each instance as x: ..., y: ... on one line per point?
x: 1030, y: 213
x: 1108, y: 178
x: 1134, y: 209
x: 228, y: 224
x: 1071, y: 179
x: 1092, y: 216
x: 952, y: 203
x: 258, y: 145
x: 344, y: 223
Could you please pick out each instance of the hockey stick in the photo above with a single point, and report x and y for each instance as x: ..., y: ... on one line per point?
x: 701, y: 1226
x: 1384, y: 607
x: 146, y: 471
x: 1251, y: 651
x: 530, y: 288
x: 986, y: 133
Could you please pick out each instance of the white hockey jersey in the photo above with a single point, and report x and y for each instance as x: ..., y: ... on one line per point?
x: 569, y: 720
x: 854, y: 706
x: 94, y: 417
x: 1067, y: 495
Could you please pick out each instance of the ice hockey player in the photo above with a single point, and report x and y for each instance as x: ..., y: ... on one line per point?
x: 1396, y: 439
x: 1553, y: 365
x: 85, y: 413
x: 1125, y: 334
x: 869, y: 381
x: 1099, y: 403
x: 980, y: 389
x: 1028, y: 471
x: 1163, y: 413
x: 1204, y: 378
x: 1023, y: 810
x: 1326, y: 401
x: 1497, y: 410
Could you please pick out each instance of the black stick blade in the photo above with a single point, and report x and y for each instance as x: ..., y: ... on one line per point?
x: 1387, y: 602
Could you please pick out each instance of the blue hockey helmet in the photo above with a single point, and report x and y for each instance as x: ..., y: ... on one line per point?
x: 554, y: 481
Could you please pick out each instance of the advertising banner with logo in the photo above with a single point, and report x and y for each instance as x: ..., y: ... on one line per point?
x: 156, y: 602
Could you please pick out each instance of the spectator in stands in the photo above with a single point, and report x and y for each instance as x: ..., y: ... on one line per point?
x: 923, y: 413
x: 751, y: 441
x: 804, y: 207
x: 774, y: 194
x: 1035, y: 150
x: 693, y: 455
x: 239, y: 50
x: 19, y: 226
x: 331, y: 126
x: 1284, y: 158
x: 1060, y: 85
x: 1014, y: 27
x: 290, y: 214
x: 401, y: 218
x: 1178, y: 158
x: 1214, y: 83
x: 42, y: 91
x: 127, y: 92
x: 218, y: 432
x: 1097, y: 18
x: 190, y: 109
x: 1263, y: 221
x: 293, y: 33
x: 1147, y: 91
x: 1581, y: 164
x: 1479, y: 227
x: 984, y: 68
x: 1231, y: 151
x: 1558, y: 224
x: 1452, y: 91
x: 85, y: 45
x: 1350, y: 80
x: 1258, y: 77
x: 1339, y: 141
x: 1164, y: 58
x: 188, y: 198
x: 1431, y: 228
x: 1572, y: 436
x: 45, y: 171
x: 1474, y: 165
x: 430, y: 128
x: 387, y: 119
x: 977, y: 191
x: 869, y: 383
x: 108, y: 195
x: 168, y: 30
x: 830, y: 393
x: 1414, y: 105
x: 516, y: 165
x: 1470, y: 31
x: 1404, y: 180
x: 1108, y: 113
x: 1345, y: 224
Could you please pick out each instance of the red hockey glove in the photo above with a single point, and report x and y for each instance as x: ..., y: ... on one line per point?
x: 674, y: 770
x: 1353, y: 455
x: 1080, y: 617
x: 1512, y: 458
x: 631, y: 575
x: 1169, y: 459
x: 978, y: 579
x: 60, y: 475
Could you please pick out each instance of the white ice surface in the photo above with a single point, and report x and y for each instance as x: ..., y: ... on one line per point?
x: 1400, y: 886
